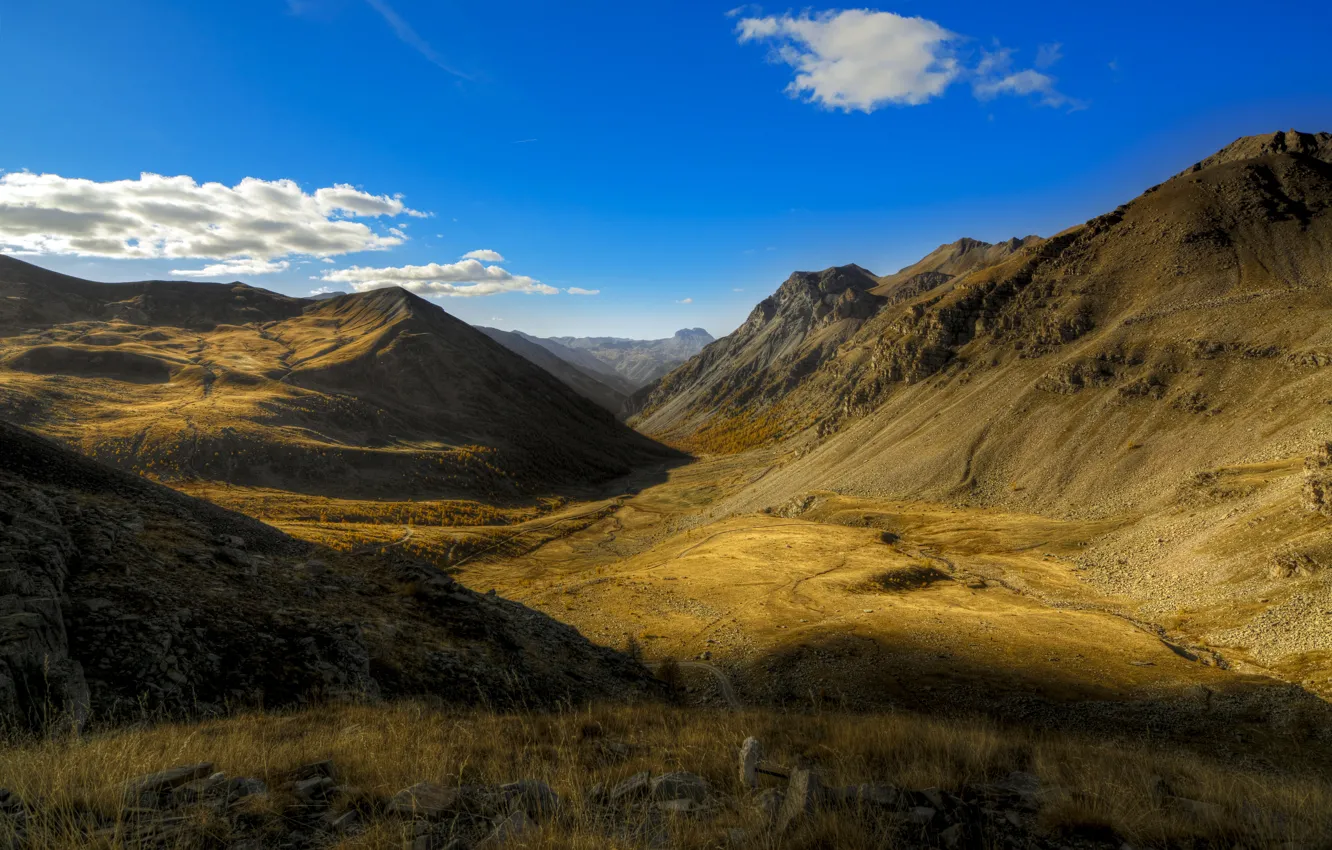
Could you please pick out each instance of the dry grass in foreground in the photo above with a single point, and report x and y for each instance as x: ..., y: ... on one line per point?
x: 1095, y: 794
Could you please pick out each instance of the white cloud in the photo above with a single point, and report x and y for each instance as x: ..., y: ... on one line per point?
x: 685, y: 301
x: 328, y: 260
x: 463, y: 278
x: 863, y: 59
x: 176, y: 217
x: 738, y: 290
x: 485, y: 255
x: 323, y: 290
x: 994, y: 75
x: 236, y: 267
x: 858, y: 58
x: 578, y: 290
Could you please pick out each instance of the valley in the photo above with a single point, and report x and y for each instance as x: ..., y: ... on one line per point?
x: 1021, y: 498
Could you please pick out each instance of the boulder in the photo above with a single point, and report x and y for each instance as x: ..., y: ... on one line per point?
x: 148, y: 790
x: 425, y: 800
x: 751, y: 753
x: 680, y: 785
x: 803, y: 794
x: 532, y: 796
x: 636, y: 786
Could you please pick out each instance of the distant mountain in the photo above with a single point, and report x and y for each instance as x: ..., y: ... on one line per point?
x: 595, y: 388
x: 363, y: 394
x: 638, y: 361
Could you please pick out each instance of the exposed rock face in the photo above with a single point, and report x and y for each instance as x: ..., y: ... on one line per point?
x: 787, y: 336
x: 37, y: 673
x: 1318, y: 481
x: 117, y: 595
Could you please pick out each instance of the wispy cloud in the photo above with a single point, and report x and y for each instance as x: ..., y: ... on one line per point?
x: 685, y: 301
x: 578, y: 290
x: 409, y: 36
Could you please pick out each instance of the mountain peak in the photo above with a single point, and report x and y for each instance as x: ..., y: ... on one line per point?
x: 1316, y: 145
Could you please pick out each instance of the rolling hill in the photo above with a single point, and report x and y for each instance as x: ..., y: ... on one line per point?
x: 365, y: 394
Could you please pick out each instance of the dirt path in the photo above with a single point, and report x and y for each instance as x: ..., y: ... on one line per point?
x: 380, y: 547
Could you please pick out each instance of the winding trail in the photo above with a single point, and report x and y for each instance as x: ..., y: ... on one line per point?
x: 381, y: 547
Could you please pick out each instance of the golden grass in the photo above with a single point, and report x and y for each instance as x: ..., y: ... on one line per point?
x: 1094, y: 786
x: 281, y: 506
x: 734, y: 431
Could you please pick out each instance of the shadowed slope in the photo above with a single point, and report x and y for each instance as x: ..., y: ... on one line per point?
x: 124, y: 595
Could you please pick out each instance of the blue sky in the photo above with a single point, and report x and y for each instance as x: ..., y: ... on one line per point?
x: 680, y: 158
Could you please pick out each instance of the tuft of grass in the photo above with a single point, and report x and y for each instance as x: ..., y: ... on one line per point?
x: 1093, y: 788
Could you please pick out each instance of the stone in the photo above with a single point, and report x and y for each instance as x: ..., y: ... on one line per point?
x: 638, y: 785
x: 510, y: 828
x: 682, y: 806
x: 932, y: 797
x: 316, y: 768
x: 803, y: 794
x: 345, y: 822
x: 153, y: 785
x: 921, y: 815
x: 534, y: 797
x: 424, y: 800
x: 873, y: 795
x: 953, y: 836
x: 751, y: 754
x: 313, y: 790
x: 240, y: 787
x: 674, y: 786
x: 769, y: 802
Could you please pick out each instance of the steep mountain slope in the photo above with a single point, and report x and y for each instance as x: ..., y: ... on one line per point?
x: 785, y: 338
x: 639, y: 361
x: 360, y: 395
x: 581, y: 382
x: 121, y: 596
x: 1164, y: 367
